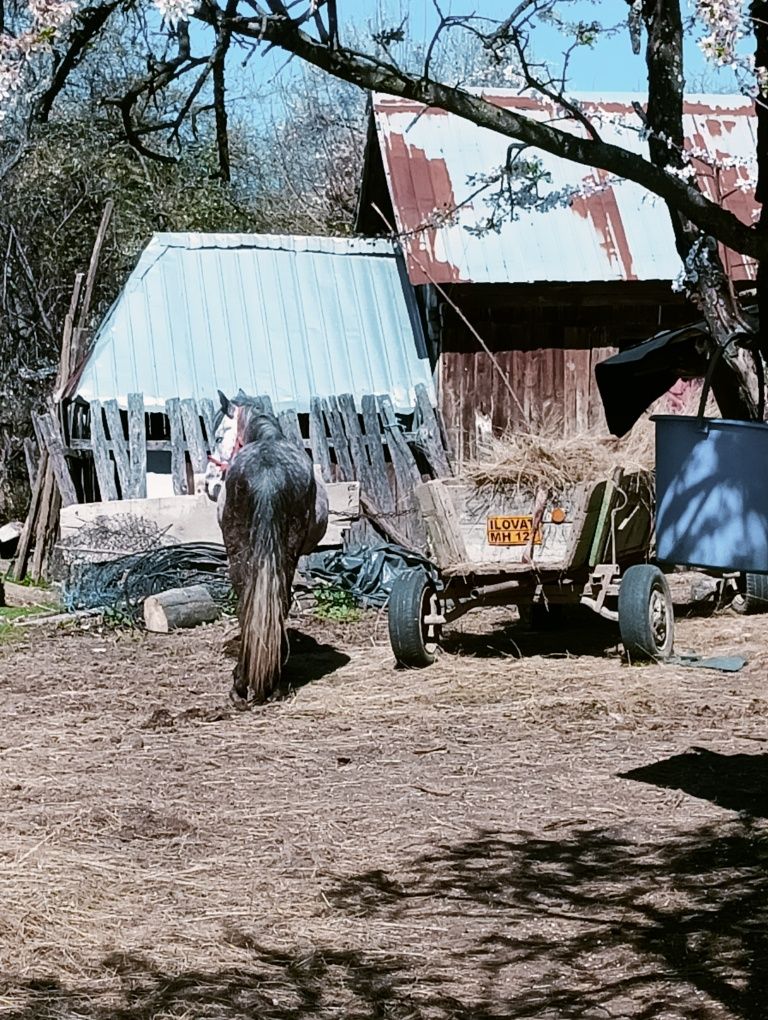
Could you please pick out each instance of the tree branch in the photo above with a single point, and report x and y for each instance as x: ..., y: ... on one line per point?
x: 161, y: 74
x: 218, y: 58
x: 90, y: 21
x: 368, y: 73
x: 558, y: 98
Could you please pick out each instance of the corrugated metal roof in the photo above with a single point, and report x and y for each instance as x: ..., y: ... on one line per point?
x: 619, y: 233
x: 291, y: 317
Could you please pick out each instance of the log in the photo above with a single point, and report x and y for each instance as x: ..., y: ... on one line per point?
x: 179, y: 607
x: 57, y: 618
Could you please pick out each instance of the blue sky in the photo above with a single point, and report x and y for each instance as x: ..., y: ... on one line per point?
x: 609, y: 66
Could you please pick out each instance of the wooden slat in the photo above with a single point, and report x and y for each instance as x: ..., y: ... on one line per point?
x: 596, y: 412
x: 339, y: 439
x: 208, y: 413
x: 354, y: 434
x: 178, y: 459
x: 193, y: 434
x: 318, y: 439
x: 25, y: 539
x: 446, y: 543
x: 289, y: 423
x: 50, y: 434
x: 31, y: 459
x: 117, y: 445
x: 570, y: 373
x: 407, y: 476
x: 379, y: 478
x: 65, y: 358
x: 46, y: 529
x: 76, y: 446
x: 93, y: 265
x: 105, y: 471
x: 429, y: 434
x: 137, y: 446
x: 402, y: 458
x: 581, y: 359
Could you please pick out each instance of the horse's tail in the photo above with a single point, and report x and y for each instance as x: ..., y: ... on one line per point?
x: 262, y: 616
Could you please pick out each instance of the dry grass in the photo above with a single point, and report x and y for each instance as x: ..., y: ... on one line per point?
x: 549, y: 460
x: 437, y: 844
x: 555, y: 462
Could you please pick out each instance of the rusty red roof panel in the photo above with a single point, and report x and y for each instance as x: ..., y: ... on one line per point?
x: 606, y: 230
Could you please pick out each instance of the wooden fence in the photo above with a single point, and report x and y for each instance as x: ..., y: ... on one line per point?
x: 385, y: 452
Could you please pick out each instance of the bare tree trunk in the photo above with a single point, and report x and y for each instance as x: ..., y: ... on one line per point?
x: 707, y: 282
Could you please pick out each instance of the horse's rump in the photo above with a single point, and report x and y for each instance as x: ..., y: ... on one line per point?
x: 267, y: 515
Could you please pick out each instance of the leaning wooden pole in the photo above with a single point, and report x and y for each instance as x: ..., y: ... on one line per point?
x: 47, y: 495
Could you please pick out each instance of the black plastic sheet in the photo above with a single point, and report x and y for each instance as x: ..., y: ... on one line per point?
x: 366, y: 572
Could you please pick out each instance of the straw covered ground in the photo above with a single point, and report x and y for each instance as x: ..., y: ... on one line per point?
x: 513, y: 832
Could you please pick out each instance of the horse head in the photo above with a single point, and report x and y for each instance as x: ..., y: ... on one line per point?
x: 239, y: 421
x: 227, y: 440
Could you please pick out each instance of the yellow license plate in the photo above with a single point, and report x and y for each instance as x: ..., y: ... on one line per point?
x: 512, y: 531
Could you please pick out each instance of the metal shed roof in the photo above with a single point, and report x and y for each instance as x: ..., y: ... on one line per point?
x: 620, y: 232
x: 292, y: 317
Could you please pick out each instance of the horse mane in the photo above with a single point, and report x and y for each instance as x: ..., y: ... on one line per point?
x: 259, y: 426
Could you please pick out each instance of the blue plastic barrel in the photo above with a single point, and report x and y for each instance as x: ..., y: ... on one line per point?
x: 712, y: 493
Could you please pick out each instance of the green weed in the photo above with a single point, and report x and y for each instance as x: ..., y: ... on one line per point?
x: 8, y: 616
x: 333, y: 603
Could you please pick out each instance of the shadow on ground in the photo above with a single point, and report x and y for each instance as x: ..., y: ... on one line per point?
x: 738, y: 782
x: 580, y: 632
x: 572, y: 923
x: 309, y: 661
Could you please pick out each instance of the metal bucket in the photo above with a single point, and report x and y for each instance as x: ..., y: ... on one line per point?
x: 712, y: 493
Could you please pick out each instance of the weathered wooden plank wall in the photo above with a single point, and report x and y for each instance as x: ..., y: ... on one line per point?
x: 545, y: 341
x: 553, y: 389
x: 368, y: 445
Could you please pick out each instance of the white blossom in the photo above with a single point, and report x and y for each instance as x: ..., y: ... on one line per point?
x: 47, y: 18
x: 174, y: 11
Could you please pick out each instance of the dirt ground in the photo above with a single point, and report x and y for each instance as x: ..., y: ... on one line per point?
x: 517, y: 831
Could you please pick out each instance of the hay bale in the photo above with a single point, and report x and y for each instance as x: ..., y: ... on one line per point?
x: 556, y: 463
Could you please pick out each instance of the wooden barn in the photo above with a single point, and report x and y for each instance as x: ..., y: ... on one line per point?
x: 517, y: 315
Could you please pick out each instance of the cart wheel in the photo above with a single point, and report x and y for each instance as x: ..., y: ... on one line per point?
x: 753, y: 595
x: 646, y: 617
x: 413, y: 597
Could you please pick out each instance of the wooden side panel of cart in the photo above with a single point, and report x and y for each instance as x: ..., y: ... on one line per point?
x: 609, y: 521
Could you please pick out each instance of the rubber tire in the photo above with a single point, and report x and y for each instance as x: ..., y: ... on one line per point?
x: 406, y: 613
x: 754, y: 598
x: 639, y: 586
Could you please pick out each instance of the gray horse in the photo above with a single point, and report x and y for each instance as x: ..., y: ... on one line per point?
x: 272, y: 508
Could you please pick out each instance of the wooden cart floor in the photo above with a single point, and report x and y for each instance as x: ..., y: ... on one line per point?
x: 550, y: 571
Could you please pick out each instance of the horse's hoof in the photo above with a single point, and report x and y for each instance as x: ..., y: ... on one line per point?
x: 237, y: 700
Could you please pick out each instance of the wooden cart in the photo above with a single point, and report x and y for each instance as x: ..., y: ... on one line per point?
x: 495, y: 545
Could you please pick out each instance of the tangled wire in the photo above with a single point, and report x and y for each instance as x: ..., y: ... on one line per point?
x: 121, y: 585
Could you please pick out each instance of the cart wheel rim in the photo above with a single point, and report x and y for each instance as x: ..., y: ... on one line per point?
x: 430, y: 632
x: 659, y: 618
x: 739, y: 602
